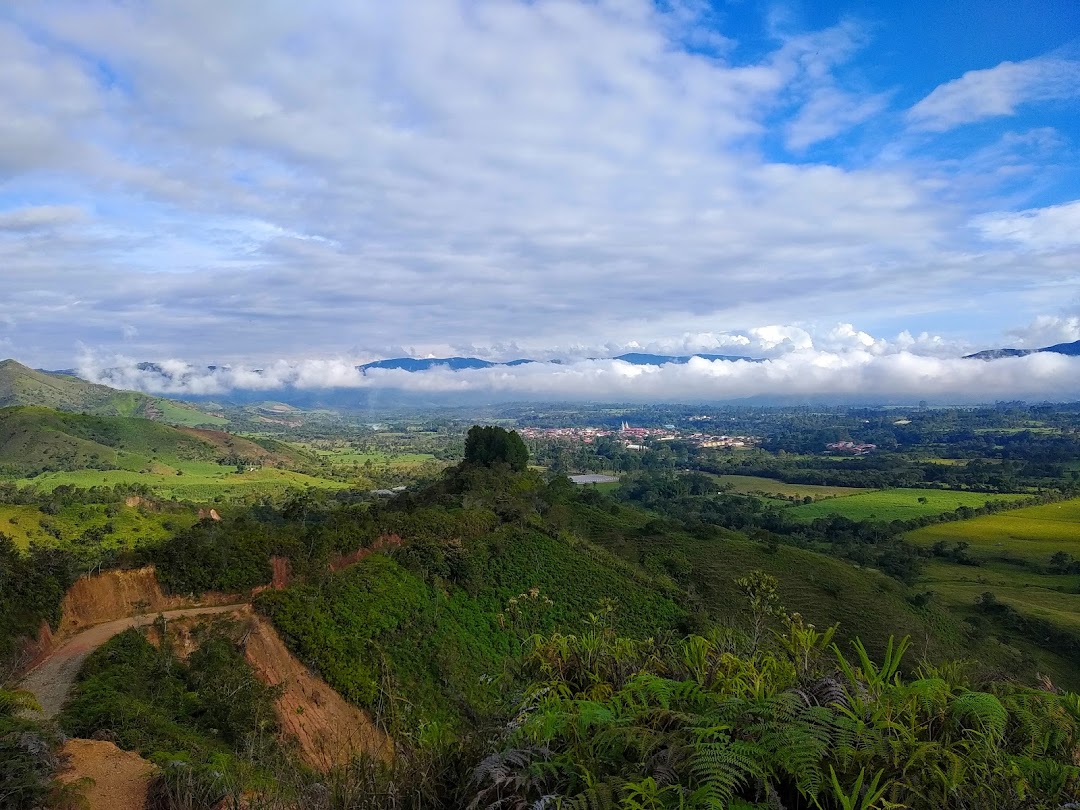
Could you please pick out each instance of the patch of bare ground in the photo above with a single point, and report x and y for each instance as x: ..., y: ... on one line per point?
x: 328, y: 730
x: 115, y: 595
x: 120, y: 778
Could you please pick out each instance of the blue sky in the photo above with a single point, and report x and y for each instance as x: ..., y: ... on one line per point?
x: 263, y: 183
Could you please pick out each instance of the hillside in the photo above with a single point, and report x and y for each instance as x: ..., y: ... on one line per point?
x: 62, y: 391
x: 35, y: 440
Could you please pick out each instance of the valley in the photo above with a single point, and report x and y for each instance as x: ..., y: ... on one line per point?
x: 385, y: 604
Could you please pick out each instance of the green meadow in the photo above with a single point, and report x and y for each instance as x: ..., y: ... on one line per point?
x: 1030, y: 534
x: 190, y: 481
x: 895, y: 504
x: 752, y: 484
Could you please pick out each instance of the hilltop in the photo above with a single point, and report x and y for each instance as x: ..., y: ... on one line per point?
x: 63, y: 391
x: 35, y: 439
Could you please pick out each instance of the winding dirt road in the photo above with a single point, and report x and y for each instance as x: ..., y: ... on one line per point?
x: 52, y: 679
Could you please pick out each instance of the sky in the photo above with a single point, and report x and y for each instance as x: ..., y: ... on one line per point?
x: 859, y: 192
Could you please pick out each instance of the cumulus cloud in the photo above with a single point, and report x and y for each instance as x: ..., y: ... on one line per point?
x: 861, y: 374
x: 996, y: 91
x: 1047, y: 330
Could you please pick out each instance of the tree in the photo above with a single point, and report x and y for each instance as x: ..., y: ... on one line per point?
x: 491, y: 445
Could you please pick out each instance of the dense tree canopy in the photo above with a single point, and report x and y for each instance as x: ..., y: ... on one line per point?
x: 492, y: 445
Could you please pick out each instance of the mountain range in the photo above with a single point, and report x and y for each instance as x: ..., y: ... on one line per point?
x: 1070, y: 349
x: 463, y: 363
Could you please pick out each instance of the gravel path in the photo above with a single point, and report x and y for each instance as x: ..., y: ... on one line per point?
x: 52, y: 679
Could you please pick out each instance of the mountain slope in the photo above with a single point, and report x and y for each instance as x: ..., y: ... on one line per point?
x: 1070, y: 349
x: 20, y: 385
x: 63, y: 391
x: 35, y: 440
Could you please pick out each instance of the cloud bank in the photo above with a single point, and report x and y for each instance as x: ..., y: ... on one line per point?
x: 865, y: 374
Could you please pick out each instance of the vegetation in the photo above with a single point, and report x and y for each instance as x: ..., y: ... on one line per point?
x: 609, y: 722
x: 897, y: 504
x: 20, y: 385
x: 528, y: 642
x: 147, y: 699
x: 493, y: 445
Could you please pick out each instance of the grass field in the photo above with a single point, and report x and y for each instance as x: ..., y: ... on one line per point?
x: 749, y: 484
x: 199, y: 481
x: 125, y: 527
x: 175, y: 414
x: 1032, y: 533
x: 895, y: 504
x: 349, y: 456
x: 1044, y: 596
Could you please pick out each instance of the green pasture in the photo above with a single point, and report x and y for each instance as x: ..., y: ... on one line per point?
x: 895, y: 504
x: 1032, y: 534
x: 176, y: 414
x: 191, y: 481
x: 1045, y: 596
x: 752, y: 484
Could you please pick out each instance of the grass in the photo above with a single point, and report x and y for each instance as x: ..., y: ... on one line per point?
x: 130, y: 526
x: 895, y: 504
x: 750, y: 484
x: 348, y: 456
x: 1030, y: 534
x: 824, y: 590
x: 198, y: 481
x: 1013, y: 549
x: 176, y: 414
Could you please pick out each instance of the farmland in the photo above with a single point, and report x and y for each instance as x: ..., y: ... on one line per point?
x: 1030, y: 534
x: 752, y: 484
x: 192, y: 481
x: 895, y: 504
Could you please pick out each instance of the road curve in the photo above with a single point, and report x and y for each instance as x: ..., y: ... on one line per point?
x: 52, y: 679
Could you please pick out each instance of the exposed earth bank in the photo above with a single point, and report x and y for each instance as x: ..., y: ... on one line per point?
x: 120, y: 778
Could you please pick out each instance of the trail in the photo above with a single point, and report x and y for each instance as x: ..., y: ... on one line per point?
x: 52, y: 679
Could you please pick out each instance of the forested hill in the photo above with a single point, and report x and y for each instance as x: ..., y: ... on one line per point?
x: 34, y: 440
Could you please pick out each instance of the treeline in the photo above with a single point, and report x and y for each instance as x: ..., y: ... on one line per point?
x: 692, y: 500
x: 32, y: 587
x: 884, y: 471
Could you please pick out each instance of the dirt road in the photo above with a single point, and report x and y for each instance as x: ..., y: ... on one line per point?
x: 52, y: 679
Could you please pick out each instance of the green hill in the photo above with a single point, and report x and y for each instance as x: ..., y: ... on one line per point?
x: 20, y: 385
x: 36, y: 440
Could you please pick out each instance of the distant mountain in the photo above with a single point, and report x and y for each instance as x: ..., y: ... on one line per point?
x: 1070, y: 349
x: 463, y: 363
x: 63, y: 391
x: 426, y: 363
x: 641, y: 359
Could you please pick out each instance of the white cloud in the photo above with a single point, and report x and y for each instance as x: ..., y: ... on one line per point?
x: 996, y: 91
x: 830, y: 111
x: 859, y: 373
x: 1047, y: 330
x: 1051, y: 228
x: 39, y: 217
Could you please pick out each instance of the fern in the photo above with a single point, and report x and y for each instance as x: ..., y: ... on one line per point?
x: 980, y: 712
